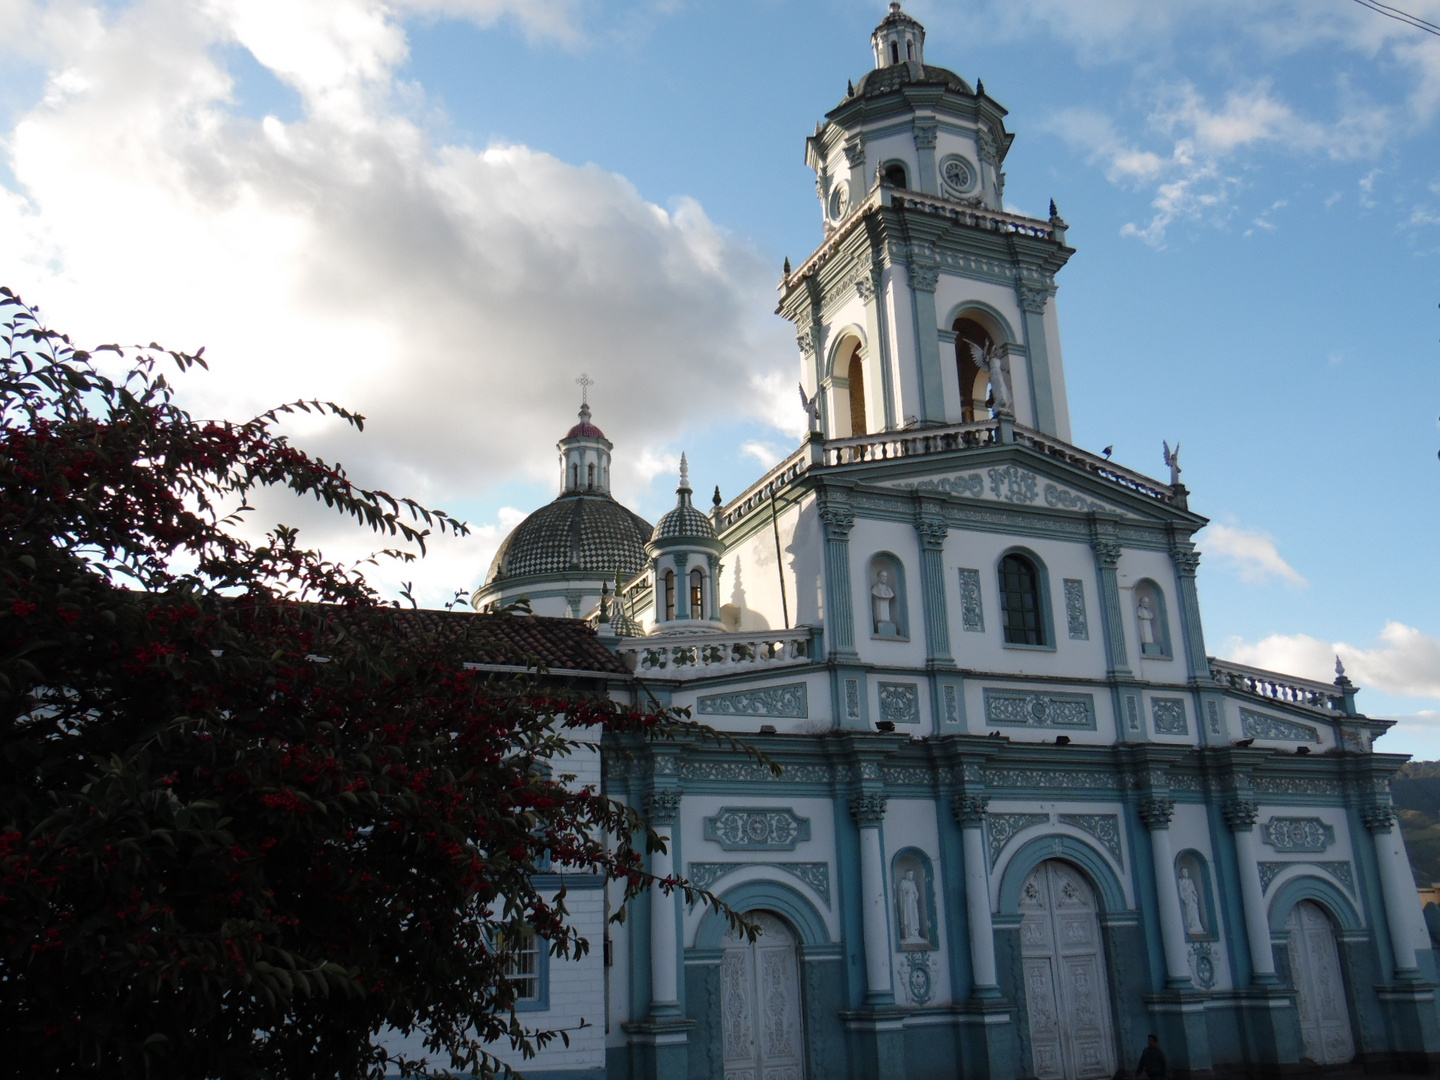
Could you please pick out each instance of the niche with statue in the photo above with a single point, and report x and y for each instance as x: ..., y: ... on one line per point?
x: 888, y: 617
x: 914, y: 896
x: 1152, y: 620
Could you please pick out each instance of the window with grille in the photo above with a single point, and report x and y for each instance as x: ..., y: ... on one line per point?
x: 522, y: 963
x: 1020, y: 601
x: 697, y: 595
x: 669, y: 595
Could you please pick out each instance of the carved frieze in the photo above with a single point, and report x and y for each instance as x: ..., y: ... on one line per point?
x: 1168, y: 716
x: 1076, y: 623
x: 1000, y: 828
x: 952, y: 704
x: 1054, y: 709
x: 757, y: 828
x: 1340, y: 871
x: 1103, y: 827
x: 703, y: 875
x: 972, y: 611
x: 1013, y: 484
x: 1297, y: 834
x: 1263, y: 726
x: 788, y: 701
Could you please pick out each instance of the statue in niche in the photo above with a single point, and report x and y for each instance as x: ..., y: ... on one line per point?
x: 1146, y: 614
x: 989, y: 361
x: 1190, y: 904
x: 882, y: 598
x: 912, y: 931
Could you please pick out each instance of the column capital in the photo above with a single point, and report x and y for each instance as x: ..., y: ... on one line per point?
x: 924, y: 132
x: 1107, y: 552
x: 1186, y: 560
x: 1378, y: 819
x: 1033, y: 298
x: 1156, y: 812
x: 924, y: 277
x: 662, y: 806
x: 855, y: 153
x: 868, y: 809
x: 1241, y: 814
x: 932, y: 533
x: 969, y: 810
x: 838, y: 520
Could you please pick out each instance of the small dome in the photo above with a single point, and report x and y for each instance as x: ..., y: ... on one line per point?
x: 589, y: 533
x: 585, y: 431
x: 684, y: 523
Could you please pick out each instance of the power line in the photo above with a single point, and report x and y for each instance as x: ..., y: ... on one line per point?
x: 1400, y: 16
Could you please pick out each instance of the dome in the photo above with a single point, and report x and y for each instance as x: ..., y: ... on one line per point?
x: 585, y: 431
x: 886, y: 80
x: 590, y: 533
x: 684, y: 523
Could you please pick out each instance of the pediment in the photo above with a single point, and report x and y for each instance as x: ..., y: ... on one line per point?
x: 1013, y: 484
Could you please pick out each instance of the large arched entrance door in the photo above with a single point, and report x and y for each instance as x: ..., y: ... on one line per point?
x: 760, y: 1003
x: 1067, y: 991
x: 1320, y: 988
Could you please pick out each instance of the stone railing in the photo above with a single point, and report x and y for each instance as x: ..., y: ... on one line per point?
x: 1136, y: 482
x: 1276, y: 687
x: 974, y: 216
x: 758, y: 493
x: 700, y: 656
x: 913, y: 442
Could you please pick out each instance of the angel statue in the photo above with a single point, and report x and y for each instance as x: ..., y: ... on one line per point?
x: 990, y: 362
x: 1172, y: 459
x: 811, y: 405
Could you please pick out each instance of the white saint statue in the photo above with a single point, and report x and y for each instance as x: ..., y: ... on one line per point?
x: 1190, y: 904
x: 1147, y: 622
x: 990, y: 362
x: 883, y: 600
x: 911, y: 932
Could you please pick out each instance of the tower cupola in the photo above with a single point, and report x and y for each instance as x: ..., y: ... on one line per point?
x: 685, y: 561
x: 584, y: 454
x: 898, y: 39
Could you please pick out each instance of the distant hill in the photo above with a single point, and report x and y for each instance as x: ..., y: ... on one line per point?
x: 1416, y: 791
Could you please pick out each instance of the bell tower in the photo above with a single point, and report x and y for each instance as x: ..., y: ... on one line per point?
x: 927, y: 303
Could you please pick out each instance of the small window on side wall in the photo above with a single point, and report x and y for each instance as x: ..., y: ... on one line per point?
x: 669, y: 595
x: 1152, y: 620
x: 887, y: 598
x: 1022, y: 607
x: 524, y: 967
x: 896, y: 176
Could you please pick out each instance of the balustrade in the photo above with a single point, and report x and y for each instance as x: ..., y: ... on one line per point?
x: 700, y: 656
x: 1277, y: 687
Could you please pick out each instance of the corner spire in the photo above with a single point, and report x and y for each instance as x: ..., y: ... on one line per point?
x: 684, y: 473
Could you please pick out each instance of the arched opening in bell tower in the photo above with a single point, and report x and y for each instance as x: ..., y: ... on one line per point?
x: 976, y: 396
x: 895, y: 174
x: 855, y: 374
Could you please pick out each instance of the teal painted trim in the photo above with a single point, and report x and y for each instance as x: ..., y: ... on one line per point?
x: 1367, y: 881
x: 1192, y: 629
x: 840, y: 611
x: 571, y: 882
x: 848, y: 902
x: 1142, y: 882
x: 1042, y: 393
x: 994, y: 314
x: 1072, y: 850
x: 677, y: 900
x: 1112, y: 621
x: 937, y: 615
x: 767, y: 895
x: 1232, y: 904
x: 927, y: 352
x: 1047, y: 614
x: 1321, y: 891
x: 953, y: 897
x: 682, y: 584
x: 638, y: 923
x: 877, y: 323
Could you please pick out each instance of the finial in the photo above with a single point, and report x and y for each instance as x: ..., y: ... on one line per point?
x: 1339, y: 668
x: 849, y: 87
x: 787, y: 265
x: 684, y: 473
x: 585, y: 382
x: 716, y: 500
x: 894, y: 7
x: 1054, y: 213
x: 979, y: 87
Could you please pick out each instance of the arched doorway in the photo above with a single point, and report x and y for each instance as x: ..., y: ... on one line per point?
x: 1319, y: 986
x: 760, y: 1003
x: 1067, y: 989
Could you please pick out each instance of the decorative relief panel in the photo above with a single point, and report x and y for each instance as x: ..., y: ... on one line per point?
x: 757, y: 828
x: 1202, y: 964
x: 790, y: 701
x: 1294, y: 785
x: 1065, y: 779
x: 915, y: 976
x: 852, y: 698
x: 952, y: 704
x: 1075, y: 620
x: 1213, y: 711
x: 752, y: 772
x: 1340, y: 871
x: 899, y: 702
x: 815, y: 874
x: 972, y: 613
x: 1132, y: 712
x: 1012, y: 484
x: 1168, y: 716
x: 1103, y: 827
x: 1297, y: 834
x: 1262, y: 726
x: 968, y: 485
x: 1000, y: 828
x: 1059, y: 498
x: 1040, y: 710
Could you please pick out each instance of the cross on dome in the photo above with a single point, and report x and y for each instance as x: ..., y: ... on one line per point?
x: 584, y: 382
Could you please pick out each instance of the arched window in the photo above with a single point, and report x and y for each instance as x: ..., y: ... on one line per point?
x: 574, y: 476
x: 669, y: 595
x: 976, y: 398
x: 855, y: 373
x: 894, y: 52
x: 590, y: 471
x: 910, y: 50
x: 697, y: 594
x: 895, y: 174
x: 1020, y: 602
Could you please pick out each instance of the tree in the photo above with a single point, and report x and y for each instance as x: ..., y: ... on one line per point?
x: 250, y: 815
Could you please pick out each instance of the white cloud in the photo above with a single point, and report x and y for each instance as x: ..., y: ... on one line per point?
x: 1253, y: 554
x: 765, y: 454
x: 449, y: 293
x: 1404, y: 661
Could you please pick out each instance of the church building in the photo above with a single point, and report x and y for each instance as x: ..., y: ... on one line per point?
x: 1024, y: 820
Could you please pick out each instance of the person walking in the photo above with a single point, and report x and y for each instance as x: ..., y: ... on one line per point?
x: 1152, y: 1061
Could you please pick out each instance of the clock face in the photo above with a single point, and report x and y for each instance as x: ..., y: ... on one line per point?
x: 839, y: 201
x: 957, y: 174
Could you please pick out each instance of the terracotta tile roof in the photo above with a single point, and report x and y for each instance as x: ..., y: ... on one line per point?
x: 523, y: 640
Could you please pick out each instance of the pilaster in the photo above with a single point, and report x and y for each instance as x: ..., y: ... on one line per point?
x: 924, y: 272
x: 969, y: 811
x: 870, y: 286
x: 837, y: 519
x: 868, y: 810
x: 1156, y: 812
x: 1107, y: 558
x: 1033, y: 300
x: 1187, y: 561
x: 927, y: 178
x: 932, y: 531
x: 1241, y: 815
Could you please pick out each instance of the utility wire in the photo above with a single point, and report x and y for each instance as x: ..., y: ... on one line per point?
x: 1400, y: 16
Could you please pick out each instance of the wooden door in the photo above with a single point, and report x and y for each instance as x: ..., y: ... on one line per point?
x: 1067, y: 992
x: 760, y: 1004
x: 1320, y: 988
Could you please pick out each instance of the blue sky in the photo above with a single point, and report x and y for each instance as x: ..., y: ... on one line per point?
x: 442, y: 211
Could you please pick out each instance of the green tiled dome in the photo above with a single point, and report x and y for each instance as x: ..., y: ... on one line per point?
x: 586, y: 532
